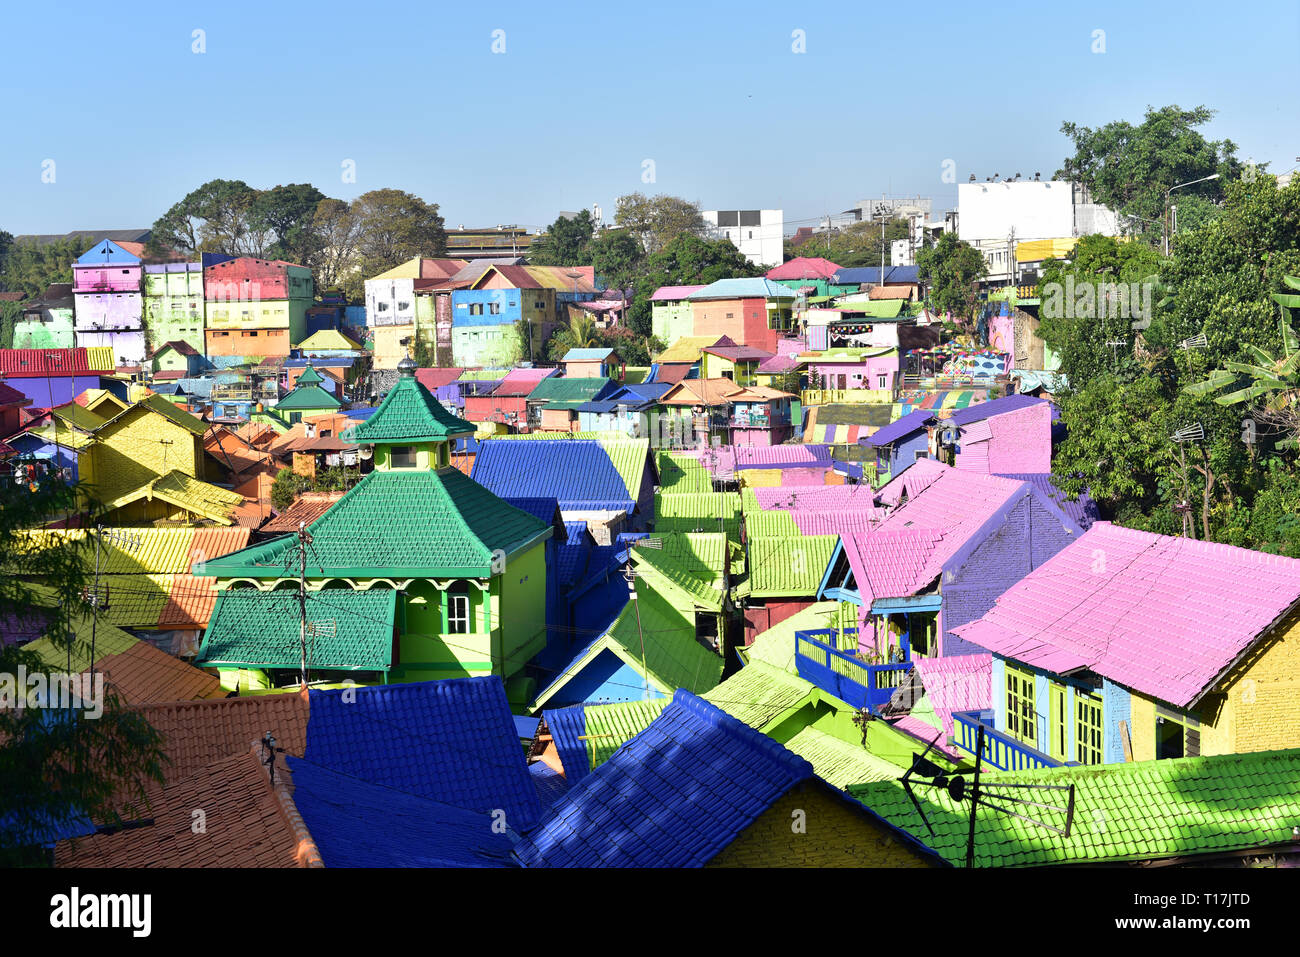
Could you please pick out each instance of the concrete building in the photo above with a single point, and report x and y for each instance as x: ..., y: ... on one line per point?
x: 47, y: 323
x: 109, y: 307
x: 255, y: 307
x: 757, y: 233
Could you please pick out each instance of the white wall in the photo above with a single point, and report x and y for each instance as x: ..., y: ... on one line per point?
x: 763, y: 244
x: 989, y: 211
x: 390, y: 302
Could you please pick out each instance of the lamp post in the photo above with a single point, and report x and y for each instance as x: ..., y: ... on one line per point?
x: 1165, y: 224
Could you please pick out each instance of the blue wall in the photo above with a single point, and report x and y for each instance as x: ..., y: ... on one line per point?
x: 607, y: 678
x: 1116, y: 707
x: 463, y: 299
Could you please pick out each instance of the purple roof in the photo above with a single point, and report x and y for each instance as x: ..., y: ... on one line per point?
x: 1163, y: 616
x: 673, y: 292
x: 985, y: 410
x: 1083, y: 512
x: 898, y: 429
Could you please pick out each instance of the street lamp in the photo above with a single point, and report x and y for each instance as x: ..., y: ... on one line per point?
x: 1165, y: 224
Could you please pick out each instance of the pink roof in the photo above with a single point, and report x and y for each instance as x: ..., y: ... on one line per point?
x: 891, y: 564
x: 673, y: 292
x: 758, y: 456
x: 433, y: 378
x: 820, y: 498
x: 956, y: 683
x: 1162, y: 616
x: 522, y: 381
x: 927, y: 733
x: 805, y: 267
x: 850, y: 524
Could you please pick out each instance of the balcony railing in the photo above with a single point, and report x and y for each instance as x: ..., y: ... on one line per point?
x: 820, y: 659
x: 1000, y: 749
x: 851, y: 396
x: 758, y: 421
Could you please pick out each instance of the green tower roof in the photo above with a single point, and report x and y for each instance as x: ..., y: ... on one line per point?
x: 409, y: 413
x: 310, y: 376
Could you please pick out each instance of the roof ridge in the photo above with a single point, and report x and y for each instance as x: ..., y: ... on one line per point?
x: 710, y: 713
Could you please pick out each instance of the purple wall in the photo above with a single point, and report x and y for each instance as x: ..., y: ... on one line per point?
x: 62, y: 388
x: 121, y: 310
x: 1029, y: 534
x: 128, y: 345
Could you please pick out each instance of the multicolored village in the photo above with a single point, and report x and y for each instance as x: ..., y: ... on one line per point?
x: 674, y: 537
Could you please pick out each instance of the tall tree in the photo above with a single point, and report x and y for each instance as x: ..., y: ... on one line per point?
x: 566, y: 242
x: 658, y: 220
x: 952, y: 268
x: 218, y: 217
x: 687, y: 259
x: 288, y: 214
x: 617, y: 257
x: 57, y: 765
x: 336, y: 232
x: 1129, y: 168
x: 395, y: 226
x: 31, y: 267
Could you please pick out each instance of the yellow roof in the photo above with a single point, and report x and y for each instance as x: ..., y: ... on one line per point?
x: 101, y: 358
x: 686, y: 349
x: 129, y: 550
x: 1036, y: 250
x: 186, y: 492
x: 328, y: 339
x: 407, y: 270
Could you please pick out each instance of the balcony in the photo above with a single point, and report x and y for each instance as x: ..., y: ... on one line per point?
x: 820, y: 658
x: 851, y: 396
x: 758, y: 421
x: 1000, y: 750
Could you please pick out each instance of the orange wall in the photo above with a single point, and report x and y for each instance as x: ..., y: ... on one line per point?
x: 266, y: 342
x: 747, y: 325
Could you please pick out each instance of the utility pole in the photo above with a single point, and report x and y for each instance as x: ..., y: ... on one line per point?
x: 304, y: 539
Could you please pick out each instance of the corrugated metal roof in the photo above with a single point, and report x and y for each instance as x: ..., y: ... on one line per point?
x: 579, y: 474
x: 743, y: 289
x: 804, y: 267
x: 788, y: 567
x: 673, y: 293
x: 30, y: 363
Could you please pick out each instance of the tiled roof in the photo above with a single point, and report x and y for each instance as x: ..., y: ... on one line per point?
x: 956, y: 683
x: 686, y: 349
x: 682, y: 472
x: 760, y: 694
x: 698, y: 511
x: 142, y: 674
x: 579, y: 473
x: 804, y: 267
x: 409, y: 413
x: 775, y: 523
x: 728, y: 349
x: 1123, y: 812
x: 587, y: 734
x: 983, y: 410
x: 450, y: 741
x: 673, y: 293
x: 244, y: 826
x: 687, y: 568
x: 306, y: 509
x: 185, y: 492
x: 1160, y: 615
x: 743, y: 289
x: 899, y: 428
x: 197, y: 734
x: 551, y: 784
x: 356, y: 823
x: 561, y: 278
x: 160, y: 405
x: 840, y: 763
x: 565, y: 389
x: 674, y: 796
x: 893, y: 563
x: 436, y: 378
x: 20, y: 363
x: 780, y: 456
x: 260, y: 629
x: 788, y: 567
x: 415, y: 523
x: 706, y: 392
x: 308, y: 397
x: 521, y: 382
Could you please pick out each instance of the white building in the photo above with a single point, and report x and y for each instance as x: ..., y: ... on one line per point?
x: 994, y: 217
x: 757, y: 233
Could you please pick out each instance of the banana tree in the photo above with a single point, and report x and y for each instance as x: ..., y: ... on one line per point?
x: 1274, y: 381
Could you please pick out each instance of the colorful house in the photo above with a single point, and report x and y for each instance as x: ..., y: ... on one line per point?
x: 753, y: 312
x: 394, y: 311
x: 784, y: 575
x: 255, y: 307
x: 870, y: 369
x: 173, y: 303
x: 755, y: 786
x: 149, y: 440
x: 628, y: 410
x: 422, y: 571
x: 307, y: 398
x: 726, y: 360
x: 47, y: 323
x: 598, y: 363
x: 553, y: 405
x: 507, y: 404
x: 1117, y: 670
x: 106, y: 282
x: 176, y: 359
x: 484, y: 317
x: 671, y: 314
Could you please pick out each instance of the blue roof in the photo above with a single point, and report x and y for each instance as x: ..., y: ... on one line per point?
x: 1083, y: 512
x: 358, y: 824
x: 551, y: 784
x: 900, y: 428
x: 451, y: 741
x: 587, y: 355
x: 576, y: 472
x: 743, y: 289
x: 526, y: 726
x: 673, y: 796
x: 567, y: 726
x: 361, y: 414
x: 855, y: 275
x: 107, y: 251
x: 538, y: 506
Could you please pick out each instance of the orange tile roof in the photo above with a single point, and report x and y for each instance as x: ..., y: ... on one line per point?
x: 191, y: 599
x: 246, y: 824
x: 308, y: 508
x: 143, y: 675
x: 198, y: 733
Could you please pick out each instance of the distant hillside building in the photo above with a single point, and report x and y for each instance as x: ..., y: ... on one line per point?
x: 255, y: 307
x: 109, y: 307
x: 757, y: 233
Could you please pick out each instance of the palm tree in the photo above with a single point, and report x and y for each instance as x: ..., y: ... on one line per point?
x: 1274, y: 380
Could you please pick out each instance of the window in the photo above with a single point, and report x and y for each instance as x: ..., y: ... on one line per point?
x: 494, y: 308
x: 476, y: 308
x: 1021, y: 723
x: 1087, y: 728
x: 458, y: 613
x: 882, y: 381
x: 402, y: 457
x: 403, y: 306
x: 1177, y: 735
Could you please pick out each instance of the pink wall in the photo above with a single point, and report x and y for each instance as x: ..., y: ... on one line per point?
x: 859, y: 375
x: 106, y: 278
x: 1002, y: 334
x: 1022, y: 440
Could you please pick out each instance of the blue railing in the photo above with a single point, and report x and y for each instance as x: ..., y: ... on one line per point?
x: 1000, y: 750
x: 819, y: 659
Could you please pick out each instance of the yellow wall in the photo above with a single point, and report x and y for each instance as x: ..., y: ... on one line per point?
x: 388, y: 345
x: 136, y: 451
x: 1262, y: 694
x: 835, y: 836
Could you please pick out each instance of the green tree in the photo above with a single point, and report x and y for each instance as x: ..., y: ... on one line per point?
x: 217, y: 217
x: 657, y: 220
x: 394, y: 226
x: 856, y: 245
x: 566, y: 242
x: 336, y: 232
x: 617, y: 257
x: 1129, y: 168
x: 952, y: 269
x: 55, y: 765
x: 30, y: 267
x: 288, y: 214
x: 687, y: 259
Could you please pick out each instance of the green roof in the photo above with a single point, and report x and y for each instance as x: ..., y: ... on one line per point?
x: 261, y: 629
x: 310, y: 376
x: 420, y: 524
x: 683, y: 473
x: 673, y: 657
x: 109, y: 640
x: 772, y: 523
x: 788, y: 567
x: 610, y: 726
x: 409, y: 413
x: 307, y: 397
x: 79, y: 417
x: 1122, y: 812
x: 688, y: 568
x: 776, y: 645
x: 698, y: 511
x: 840, y: 763
x: 761, y: 695
x: 630, y: 458
x: 560, y: 389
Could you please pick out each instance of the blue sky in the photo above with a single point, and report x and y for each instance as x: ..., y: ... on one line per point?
x: 584, y: 93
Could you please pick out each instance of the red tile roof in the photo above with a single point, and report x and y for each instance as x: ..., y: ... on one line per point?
x: 804, y: 267
x: 517, y: 276
x: 143, y: 675
x: 30, y: 363
x: 307, y: 509
x: 433, y: 378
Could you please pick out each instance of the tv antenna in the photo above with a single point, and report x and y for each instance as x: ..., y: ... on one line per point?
x: 985, y: 794
x: 1195, y: 342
